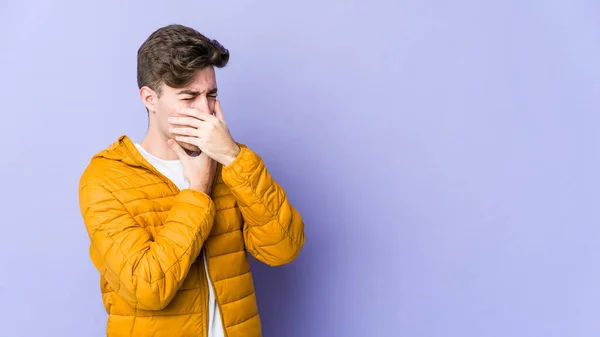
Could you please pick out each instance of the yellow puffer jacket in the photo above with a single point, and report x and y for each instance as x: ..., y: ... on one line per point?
x: 146, y: 236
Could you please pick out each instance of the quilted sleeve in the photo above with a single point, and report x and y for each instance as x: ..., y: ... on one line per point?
x: 273, y: 229
x: 145, y: 272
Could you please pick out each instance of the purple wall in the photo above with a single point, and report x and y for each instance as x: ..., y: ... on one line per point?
x: 444, y: 155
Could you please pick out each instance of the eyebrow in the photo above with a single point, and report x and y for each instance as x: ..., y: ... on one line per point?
x: 196, y: 93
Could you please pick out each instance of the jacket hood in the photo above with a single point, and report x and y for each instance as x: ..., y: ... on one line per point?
x: 122, y: 150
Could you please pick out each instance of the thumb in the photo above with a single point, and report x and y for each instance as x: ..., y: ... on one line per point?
x: 173, y: 145
x: 218, y: 111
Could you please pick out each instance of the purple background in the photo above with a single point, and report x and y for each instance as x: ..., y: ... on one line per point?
x: 444, y: 155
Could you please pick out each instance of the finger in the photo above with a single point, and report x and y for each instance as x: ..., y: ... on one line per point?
x: 205, y: 156
x: 187, y: 121
x: 184, y: 131
x: 188, y: 139
x: 177, y: 149
x: 208, y: 117
x: 218, y: 111
x: 188, y: 112
x: 196, y: 114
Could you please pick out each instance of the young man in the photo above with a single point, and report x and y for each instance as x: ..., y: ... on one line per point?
x: 171, y: 218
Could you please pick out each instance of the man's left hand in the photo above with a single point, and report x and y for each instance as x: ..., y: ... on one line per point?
x: 207, y: 132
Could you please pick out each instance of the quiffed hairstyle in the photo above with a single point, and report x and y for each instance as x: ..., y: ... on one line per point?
x: 172, y: 54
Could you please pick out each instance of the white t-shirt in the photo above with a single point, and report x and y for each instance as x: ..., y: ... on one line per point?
x: 173, y: 169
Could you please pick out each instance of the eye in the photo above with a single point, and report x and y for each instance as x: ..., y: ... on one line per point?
x: 212, y: 96
x: 188, y: 99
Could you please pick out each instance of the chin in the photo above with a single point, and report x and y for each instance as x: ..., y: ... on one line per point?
x: 189, y: 147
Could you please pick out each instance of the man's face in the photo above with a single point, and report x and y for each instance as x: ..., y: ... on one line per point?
x: 200, y: 95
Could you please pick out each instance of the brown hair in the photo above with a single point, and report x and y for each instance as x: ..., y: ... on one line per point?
x: 172, y: 55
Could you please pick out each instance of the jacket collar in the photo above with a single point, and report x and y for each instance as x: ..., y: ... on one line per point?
x: 125, y: 151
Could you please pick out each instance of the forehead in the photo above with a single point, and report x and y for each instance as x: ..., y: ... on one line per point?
x: 203, y: 80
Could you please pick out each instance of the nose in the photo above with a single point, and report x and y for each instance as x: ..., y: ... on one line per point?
x: 201, y: 104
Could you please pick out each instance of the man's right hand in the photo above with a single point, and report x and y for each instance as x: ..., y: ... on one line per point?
x: 199, y: 170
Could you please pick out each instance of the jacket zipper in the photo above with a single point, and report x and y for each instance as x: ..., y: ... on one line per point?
x: 205, y: 314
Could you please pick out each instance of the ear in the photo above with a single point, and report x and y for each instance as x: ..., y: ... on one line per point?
x: 149, y: 98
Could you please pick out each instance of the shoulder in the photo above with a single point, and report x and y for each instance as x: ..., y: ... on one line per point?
x: 105, y: 171
x: 110, y: 166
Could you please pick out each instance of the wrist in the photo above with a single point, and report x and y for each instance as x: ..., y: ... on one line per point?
x: 231, y: 155
x: 198, y: 187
